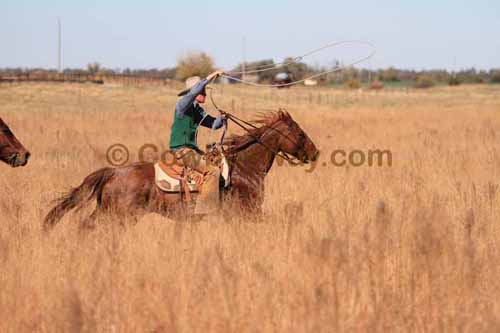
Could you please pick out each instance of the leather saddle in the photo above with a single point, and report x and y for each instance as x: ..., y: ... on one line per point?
x: 176, y: 178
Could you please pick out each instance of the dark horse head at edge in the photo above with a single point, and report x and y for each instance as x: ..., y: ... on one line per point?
x: 12, y: 151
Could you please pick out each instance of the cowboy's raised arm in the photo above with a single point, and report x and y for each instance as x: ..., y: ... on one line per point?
x: 215, y: 74
x: 188, y: 99
x: 208, y: 120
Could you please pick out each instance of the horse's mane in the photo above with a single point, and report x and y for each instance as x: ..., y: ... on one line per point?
x: 236, y: 143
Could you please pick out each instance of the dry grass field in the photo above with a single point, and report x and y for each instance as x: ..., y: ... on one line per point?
x: 410, y: 247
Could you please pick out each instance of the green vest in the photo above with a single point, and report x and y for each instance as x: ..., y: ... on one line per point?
x: 183, y: 132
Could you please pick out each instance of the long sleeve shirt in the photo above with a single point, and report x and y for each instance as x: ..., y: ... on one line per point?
x: 188, y: 107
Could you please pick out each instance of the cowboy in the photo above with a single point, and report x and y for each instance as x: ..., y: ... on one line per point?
x: 188, y: 116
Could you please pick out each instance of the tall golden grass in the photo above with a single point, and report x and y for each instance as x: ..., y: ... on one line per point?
x: 412, y: 247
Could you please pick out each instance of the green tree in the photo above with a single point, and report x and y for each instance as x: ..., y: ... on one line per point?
x: 298, y: 70
x: 495, y: 76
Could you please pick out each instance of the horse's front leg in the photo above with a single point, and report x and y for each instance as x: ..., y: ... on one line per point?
x: 244, y: 204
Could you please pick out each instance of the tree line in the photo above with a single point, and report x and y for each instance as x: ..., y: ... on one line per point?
x: 201, y: 64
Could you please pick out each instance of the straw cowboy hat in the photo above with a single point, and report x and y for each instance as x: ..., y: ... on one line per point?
x: 190, y: 83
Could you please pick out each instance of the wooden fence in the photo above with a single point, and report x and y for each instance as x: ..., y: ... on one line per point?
x: 82, y: 78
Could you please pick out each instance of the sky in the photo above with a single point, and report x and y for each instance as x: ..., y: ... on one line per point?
x: 424, y: 34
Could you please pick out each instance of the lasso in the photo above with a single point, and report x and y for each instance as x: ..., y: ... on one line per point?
x: 230, y: 75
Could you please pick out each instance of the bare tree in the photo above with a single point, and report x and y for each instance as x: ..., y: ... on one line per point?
x: 194, y: 63
x: 93, y: 67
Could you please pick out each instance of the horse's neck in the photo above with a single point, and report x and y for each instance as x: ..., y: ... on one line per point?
x: 257, y: 159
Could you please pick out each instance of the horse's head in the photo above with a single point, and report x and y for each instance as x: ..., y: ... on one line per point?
x: 11, y: 150
x: 292, y: 139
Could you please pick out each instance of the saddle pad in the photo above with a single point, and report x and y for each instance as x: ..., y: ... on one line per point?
x: 168, y: 183
x: 166, y: 180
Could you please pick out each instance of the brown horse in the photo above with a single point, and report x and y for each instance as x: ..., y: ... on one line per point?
x: 12, y: 151
x: 131, y: 190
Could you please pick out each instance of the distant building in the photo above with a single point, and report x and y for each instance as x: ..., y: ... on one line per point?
x: 310, y: 82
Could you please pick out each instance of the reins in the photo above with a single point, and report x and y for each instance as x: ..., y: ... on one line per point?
x: 245, y: 126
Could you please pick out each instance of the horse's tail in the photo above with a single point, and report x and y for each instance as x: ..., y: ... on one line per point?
x: 91, y: 188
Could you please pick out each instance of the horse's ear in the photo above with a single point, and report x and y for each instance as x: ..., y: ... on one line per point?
x: 283, y: 114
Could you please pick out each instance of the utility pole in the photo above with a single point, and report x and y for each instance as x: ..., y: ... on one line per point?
x: 243, y: 65
x: 369, y: 73
x: 454, y: 66
x: 59, y: 46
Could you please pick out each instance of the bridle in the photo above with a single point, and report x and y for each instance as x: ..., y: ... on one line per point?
x: 247, y: 127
